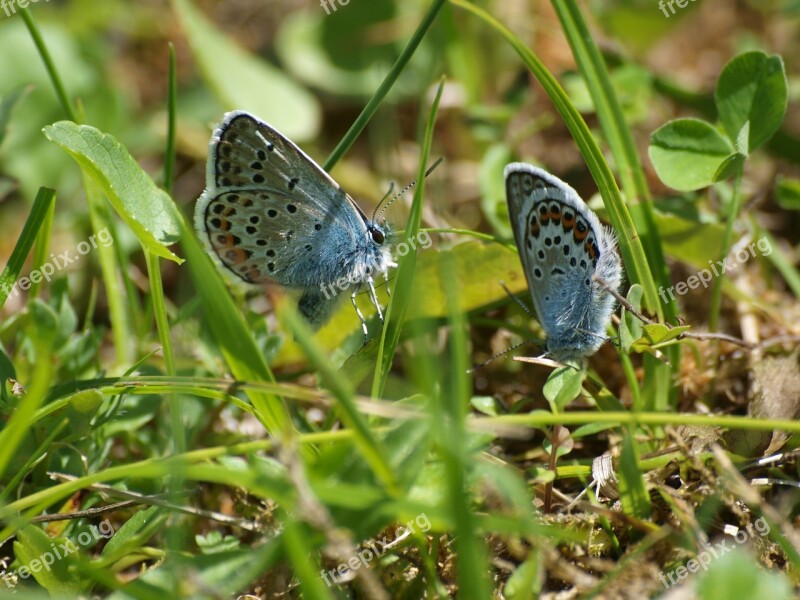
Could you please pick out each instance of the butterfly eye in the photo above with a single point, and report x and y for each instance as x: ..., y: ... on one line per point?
x: 377, y: 235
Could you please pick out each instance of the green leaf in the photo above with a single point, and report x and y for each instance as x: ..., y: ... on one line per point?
x: 656, y: 334
x: 7, y: 104
x: 343, y: 335
x: 743, y: 139
x: 493, y: 189
x: 542, y: 475
x: 632, y: 487
x: 563, y: 386
x: 565, y: 442
x: 752, y: 87
x: 486, y: 405
x: 525, y: 581
x: 787, y: 193
x: 737, y: 575
x: 83, y: 406
x: 79, y: 408
x: 36, y: 552
x: 42, y: 322
x: 214, y: 543
x: 33, y: 224
x: 689, y: 240
x: 245, y: 82
x: 146, y: 209
x: 730, y: 166
x: 687, y: 153
x: 630, y: 328
x: 232, y: 335
x: 659, y: 333
x: 135, y: 532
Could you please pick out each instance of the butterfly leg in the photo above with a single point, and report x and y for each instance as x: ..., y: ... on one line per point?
x: 360, y: 315
x: 374, y: 298
x: 386, y: 277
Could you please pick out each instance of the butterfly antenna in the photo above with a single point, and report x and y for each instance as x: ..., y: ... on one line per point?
x: 503, y: 353
x: 522, y: 305
x: 386, y: 195
x: 403, y: 191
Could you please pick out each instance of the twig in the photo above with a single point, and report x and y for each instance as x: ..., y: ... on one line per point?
x: 157, y: 501
x: 81, y: 514
x: 686, y: 334
x: 536, y: 360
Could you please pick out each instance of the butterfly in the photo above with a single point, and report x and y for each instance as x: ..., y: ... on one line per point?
x: 563, y: 246
x: 269, y: 213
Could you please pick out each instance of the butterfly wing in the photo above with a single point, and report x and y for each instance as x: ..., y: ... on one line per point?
x: 269, y: 212
x: 562, y: 245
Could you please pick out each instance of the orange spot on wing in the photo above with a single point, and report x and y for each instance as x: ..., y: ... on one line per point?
x: 236, y: 256
x: 580, y: 235
x: 223, y: 241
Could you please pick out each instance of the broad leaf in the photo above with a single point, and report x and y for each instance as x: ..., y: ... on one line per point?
x: 687, y: 153
x: 787, y: 193
x: 145, y: 208
x: 246, y: 82
x: 752, y: 88
x: 630, y: 328
x: 562, y: 387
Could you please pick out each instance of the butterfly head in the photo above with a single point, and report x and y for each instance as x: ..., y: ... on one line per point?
x: 377, y: 234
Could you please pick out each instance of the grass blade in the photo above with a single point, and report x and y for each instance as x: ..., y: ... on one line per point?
x: 629, y: 241
x: 620, y: 139
x: 455, y: 450
x: 399, y: 302
x: 372, y: 449
x: 61, y: 92
x: 42, y: 206
x: 391, y: 77
x: 235, y: 340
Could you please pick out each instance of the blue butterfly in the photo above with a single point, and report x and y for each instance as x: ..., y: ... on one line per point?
x: 563, y: 246
x: 270, y: 213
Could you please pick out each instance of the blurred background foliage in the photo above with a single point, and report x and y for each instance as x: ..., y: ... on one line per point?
x: 309, y: 69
